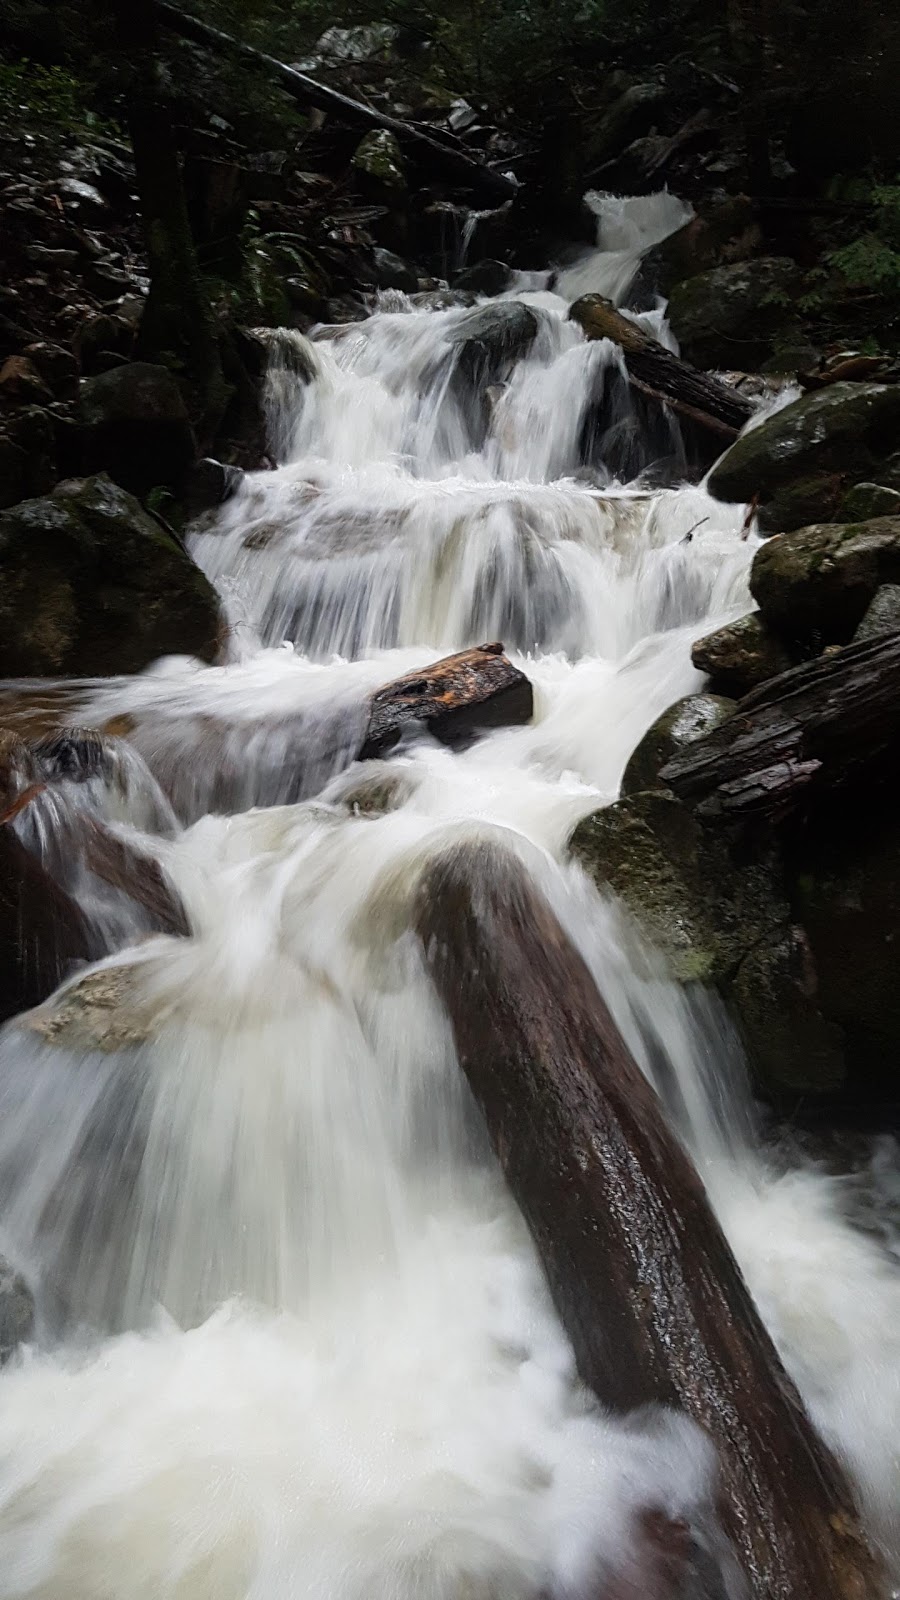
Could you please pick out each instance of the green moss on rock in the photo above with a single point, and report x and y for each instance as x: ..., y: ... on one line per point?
x: 91, y: 585
x: 684, y: 722
x: 741, y: 656
x: 816, y: 583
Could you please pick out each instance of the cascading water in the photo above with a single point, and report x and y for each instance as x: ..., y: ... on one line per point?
x: 294, y: 1338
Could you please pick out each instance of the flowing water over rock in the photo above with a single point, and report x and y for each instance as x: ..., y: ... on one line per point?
x: 293, y: 1335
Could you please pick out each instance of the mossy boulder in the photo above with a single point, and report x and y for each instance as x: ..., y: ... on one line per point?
x: 378, y: 161
x: 91, y: 585
x: 136, y: 426
x: 867, y: 500
x: 16, y: 1310
x: 815, y: 447
x: 684, y: 722
x: 815, y: 584
x: 741, y: 656
x: 722, y: 921
x: 678, y: 881
x: 728, y: 317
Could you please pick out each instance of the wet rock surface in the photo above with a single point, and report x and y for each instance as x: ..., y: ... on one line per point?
x: 809, y: 452
x: 16, y: 1310
x: 91, y: 584
x: 814, y: 585
x: 741, y: 656
x: 136, y: 426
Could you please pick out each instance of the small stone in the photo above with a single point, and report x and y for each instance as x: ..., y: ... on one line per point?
x: 51, y: 260
x: 21, y: 383
x: 392, y: 272
x: 84, y: 199
x: 741, y: 656
x: 58, y: 367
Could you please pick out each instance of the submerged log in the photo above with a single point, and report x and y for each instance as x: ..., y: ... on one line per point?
x: 448, y: 160
x: 814, y: 730
x: 641, y: 1274
x: 43, y: 933
x: 662, y: 376
x: 137, y: 876
x: 454, y: 698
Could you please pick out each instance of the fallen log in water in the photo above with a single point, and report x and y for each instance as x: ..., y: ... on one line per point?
x: 43, y: 933
x: 662, y: 376
x: 137, y: 876
x: 814, y: 729
x: 445, y: 159
x: 453, y: 698
x: 642, y: 1276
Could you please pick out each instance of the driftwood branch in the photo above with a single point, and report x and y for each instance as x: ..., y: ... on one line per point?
x: 640, y: 1271
x: 453, y: 164
x: 664, y: 377
x: 818, y: 728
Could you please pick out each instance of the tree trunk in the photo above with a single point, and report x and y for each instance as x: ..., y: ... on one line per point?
x: 176, y: 327
x: 816, y: 729
x: 642, y: 1276
x: 663, y: 376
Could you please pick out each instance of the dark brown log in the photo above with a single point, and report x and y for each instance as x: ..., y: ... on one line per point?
x: 136, y: 875
x: 663, y: 376
x: 43, y: 933
x: 446, y: 159
x: 640, y: 1271
x: 814, y: 730
x: 453, y: 698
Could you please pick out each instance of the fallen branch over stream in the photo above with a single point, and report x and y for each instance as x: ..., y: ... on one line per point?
x: 642, y: 1276
x: 819, y: 727
x: 450, y: 162
x: 654, y: 371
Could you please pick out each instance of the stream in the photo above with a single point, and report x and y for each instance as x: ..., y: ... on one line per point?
x: 293, y: 1336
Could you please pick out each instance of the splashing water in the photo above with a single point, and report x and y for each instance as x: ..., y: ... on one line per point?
x: 294, y: 1339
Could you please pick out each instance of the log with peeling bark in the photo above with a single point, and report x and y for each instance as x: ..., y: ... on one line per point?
x: 641, y: 1274
x: 810, y: 732
x: 662, y: 376
x: 453, y: 698
x: 446, y: 159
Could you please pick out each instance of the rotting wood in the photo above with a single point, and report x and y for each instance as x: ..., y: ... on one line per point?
x: 641, y: 1274
x: 454, y: 698
x: 452, y: 163
x: 662, y: 376
x: 816, y: 729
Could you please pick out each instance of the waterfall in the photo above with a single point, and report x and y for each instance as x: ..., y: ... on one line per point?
x: 293, y: 1337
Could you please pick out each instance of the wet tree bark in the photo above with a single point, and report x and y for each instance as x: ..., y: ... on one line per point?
x: 642, y: 1276
x: 815, y: 730
x: 43, y: 934
x: 176, y: 327
x: 661, y: 375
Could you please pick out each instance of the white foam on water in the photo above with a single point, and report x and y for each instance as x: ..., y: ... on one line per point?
x: 293, y: 1337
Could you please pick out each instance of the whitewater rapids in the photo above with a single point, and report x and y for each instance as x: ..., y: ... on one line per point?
x: 293, y: 1338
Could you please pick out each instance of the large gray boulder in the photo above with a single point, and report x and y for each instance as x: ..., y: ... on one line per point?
x: 801, y: 459
x: 91, y: 585
x: 136, y: 426
x: 490, y: 338
x: 727, y: 317
x: 815, y: 584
